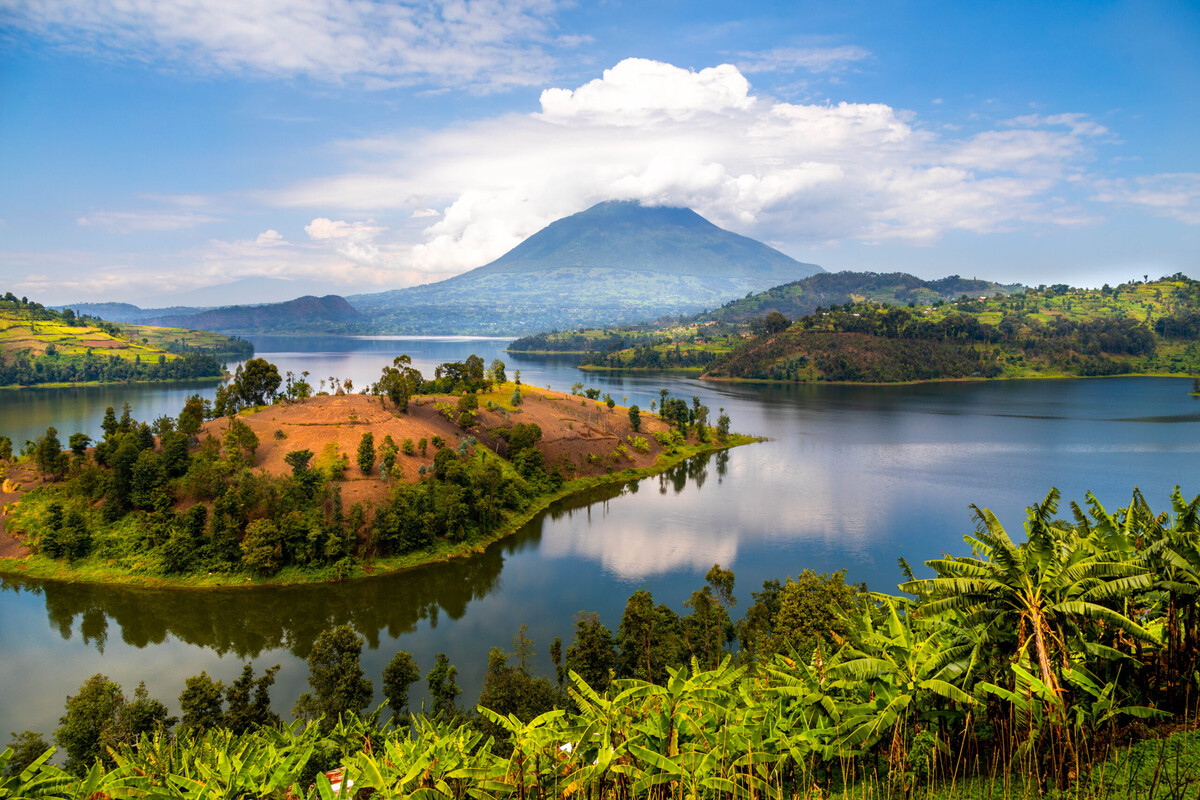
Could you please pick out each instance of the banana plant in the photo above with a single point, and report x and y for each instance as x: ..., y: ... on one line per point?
x: 895, y: 672
x: 40, y: 779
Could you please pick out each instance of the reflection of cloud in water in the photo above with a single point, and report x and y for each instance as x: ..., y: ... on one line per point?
x: 634, y: 547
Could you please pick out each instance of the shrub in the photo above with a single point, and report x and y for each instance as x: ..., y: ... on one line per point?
x: 409, y: 449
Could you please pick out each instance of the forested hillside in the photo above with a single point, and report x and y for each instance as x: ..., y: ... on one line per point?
x: 1137, y: 328
x: 40, y: 345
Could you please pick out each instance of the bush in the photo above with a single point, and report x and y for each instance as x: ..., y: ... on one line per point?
x: 409, y: 449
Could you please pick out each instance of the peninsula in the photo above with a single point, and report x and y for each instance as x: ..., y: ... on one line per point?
x: 267, y: 487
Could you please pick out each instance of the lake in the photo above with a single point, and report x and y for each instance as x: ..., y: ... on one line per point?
x: 853, y: 478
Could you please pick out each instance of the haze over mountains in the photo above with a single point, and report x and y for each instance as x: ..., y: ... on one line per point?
x: 617, y: 262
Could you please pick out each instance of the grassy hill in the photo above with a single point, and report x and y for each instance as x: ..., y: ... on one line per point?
x: 1137, y: 328
x: 798, y: 298
x: 693, y: 342
x: 40, y: 345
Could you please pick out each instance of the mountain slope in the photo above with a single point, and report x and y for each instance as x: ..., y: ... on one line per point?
x: 329, y: 314
x: 625, y: 235
x: 616, y: 262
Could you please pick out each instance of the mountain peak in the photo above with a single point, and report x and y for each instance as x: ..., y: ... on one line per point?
x: 624, y: 234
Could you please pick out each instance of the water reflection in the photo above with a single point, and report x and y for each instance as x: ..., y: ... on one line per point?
x: 249, y: 622
x: 246, y: 623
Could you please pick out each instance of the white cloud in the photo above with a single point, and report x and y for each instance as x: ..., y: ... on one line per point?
x: 478, y: 43
x: 797, y: 174
x: 812, y: 59
x: 1172, y: 195
x: 324, y: 228
x: 638, y: 90
x: 270, y: 237
x: 131, y: 221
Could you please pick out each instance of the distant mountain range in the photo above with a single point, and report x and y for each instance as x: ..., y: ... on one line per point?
x: 616, y: 262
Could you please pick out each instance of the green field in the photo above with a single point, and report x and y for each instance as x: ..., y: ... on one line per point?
x: 42, y: 346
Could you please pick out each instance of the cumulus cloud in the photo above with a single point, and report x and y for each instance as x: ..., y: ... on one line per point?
x: 270, y: 238
x: 789, y: 173
x: 476, y: 43
x: 1172, y: 195
x: 638, y: 90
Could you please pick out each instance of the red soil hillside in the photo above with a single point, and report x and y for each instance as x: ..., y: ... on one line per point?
x: 573, y: 428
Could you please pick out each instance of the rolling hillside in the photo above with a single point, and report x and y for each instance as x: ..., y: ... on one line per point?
x: 1137, y: 328
x: 40, y: 345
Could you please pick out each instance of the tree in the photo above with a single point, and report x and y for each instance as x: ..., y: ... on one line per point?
x: 723, y: 426
x: 254, y: 383
x: 366, y: 453
x: 51, y: 459
x: 512, y: 689
x: 240, y: 442
x: 592, y: 654
x: 388, y: 452
x: 191, y: 417
x: 635, y: 418
x: 298, y: 461
x: 776, y: 322
x: 27, y: 747
x: 249, y: 701
x: 498, y: 374
x: 79, y: 443
x: 649, y: 639
x: 336, y: 677
x: 399, y: 675
x: 201, y: 701
x: 99, y: 717
x: 262, y: 547
x: 442, y: 687
x: 399, y: 382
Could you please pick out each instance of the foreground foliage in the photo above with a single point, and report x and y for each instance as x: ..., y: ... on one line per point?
x: 1021, y: 670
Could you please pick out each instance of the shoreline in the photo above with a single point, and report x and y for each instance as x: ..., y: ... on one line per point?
x: 1055, y: 377
x: 72, y: 384
x: 41, y: 567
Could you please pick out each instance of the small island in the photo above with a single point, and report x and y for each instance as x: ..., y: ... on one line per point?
x: 274, y: 484
x: 41, y: 346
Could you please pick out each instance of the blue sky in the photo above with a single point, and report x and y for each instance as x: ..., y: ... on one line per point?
x: 152, y: 147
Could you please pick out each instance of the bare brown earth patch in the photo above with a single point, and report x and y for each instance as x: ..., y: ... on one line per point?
x: 573, y: 428
x: 18, y: 479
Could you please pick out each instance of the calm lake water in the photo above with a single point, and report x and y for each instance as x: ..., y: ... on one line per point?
x: 853, y: 477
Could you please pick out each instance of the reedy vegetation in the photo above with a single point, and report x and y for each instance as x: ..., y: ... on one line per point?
x: 1033, y: 659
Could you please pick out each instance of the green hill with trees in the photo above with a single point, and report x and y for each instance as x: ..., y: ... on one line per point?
x: 39, y: 345
x: 1137, y: 328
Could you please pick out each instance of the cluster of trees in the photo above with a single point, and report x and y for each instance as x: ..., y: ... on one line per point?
x: 27, y: 370
x: 1035, y: 656
x: 468, y: 494
x: 647, y: 356
x: 607, y: 342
